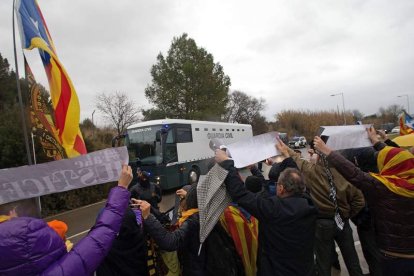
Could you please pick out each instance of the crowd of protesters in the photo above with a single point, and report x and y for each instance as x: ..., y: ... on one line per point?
x: 287, y: 224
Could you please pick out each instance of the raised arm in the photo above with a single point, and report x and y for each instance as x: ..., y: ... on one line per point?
x: 386, y: 140
x: 346, y: 168
x: 304, y: 166
x: 259, y: 207
x: 89, y: 252
x: 166, y: 240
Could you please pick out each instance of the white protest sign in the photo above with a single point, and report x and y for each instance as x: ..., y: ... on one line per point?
x: 86, y: 170
x: 346, y: 137
x: 249, y: 151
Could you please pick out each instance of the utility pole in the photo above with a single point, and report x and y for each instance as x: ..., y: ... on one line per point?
x: 343, y: 104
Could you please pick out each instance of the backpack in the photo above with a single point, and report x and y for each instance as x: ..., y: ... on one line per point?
x: 221, y: 254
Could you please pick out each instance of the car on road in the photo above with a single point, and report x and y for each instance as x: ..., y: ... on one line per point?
x: 395, y: 129
x: 298, y: 142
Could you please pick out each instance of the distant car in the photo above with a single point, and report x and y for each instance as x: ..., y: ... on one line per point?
x: 395, y: 129
x: 298, y: 142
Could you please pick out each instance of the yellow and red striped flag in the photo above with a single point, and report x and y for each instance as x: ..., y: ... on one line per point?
x: 244, y: 230
x: 396, y: 168
x: 35, y: 34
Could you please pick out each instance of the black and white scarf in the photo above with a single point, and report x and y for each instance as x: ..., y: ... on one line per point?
x: 332, y: 192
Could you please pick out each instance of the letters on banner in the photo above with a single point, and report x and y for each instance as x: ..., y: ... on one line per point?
x: 63, y: 175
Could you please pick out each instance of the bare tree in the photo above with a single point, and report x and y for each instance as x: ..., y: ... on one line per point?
x: 390, y: 113
x: 242, y: 108
x: 118, y: 109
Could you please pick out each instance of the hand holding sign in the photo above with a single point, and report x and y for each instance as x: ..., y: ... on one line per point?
x: 126, y: 176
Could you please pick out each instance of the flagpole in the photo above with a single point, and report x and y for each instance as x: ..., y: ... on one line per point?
x: 19, y: 93
x: 33, y: 146
x: 36, y: 200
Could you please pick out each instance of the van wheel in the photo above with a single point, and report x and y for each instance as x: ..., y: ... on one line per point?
x: 193, y: 176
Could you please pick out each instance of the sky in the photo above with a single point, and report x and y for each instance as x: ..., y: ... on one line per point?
x: 294, y: 54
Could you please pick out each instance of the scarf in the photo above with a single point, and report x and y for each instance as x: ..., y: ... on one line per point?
x: 4, y: 218
x: 186, y: 214
x: 396, y: 171
x: 332, y: 192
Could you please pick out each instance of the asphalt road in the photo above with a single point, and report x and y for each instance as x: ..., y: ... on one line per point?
x: 80, y: 220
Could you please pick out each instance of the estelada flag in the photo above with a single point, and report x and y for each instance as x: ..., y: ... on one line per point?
x: 406, y: 123
x: 35, y: 34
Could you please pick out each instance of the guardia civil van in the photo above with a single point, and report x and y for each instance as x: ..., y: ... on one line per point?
x: 176, y: 152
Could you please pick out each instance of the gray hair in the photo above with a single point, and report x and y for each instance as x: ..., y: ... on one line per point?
x: 292, y: 180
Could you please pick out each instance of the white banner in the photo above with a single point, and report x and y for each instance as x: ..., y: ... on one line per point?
x: 250, y: 151
x: 347, y: 137
x: 58, y: 176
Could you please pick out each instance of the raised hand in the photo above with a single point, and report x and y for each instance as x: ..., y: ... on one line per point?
x: 372, y: 135
x: 126, y: 176
x: 181, y: 193
x: 143, y: 205
x: 281, y: 147
x: 320, y: 146
x: 220, y: 156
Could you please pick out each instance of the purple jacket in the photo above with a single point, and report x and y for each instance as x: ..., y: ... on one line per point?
x: 28, y: 246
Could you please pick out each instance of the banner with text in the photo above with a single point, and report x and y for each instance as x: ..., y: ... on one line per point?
x: 63, y: 175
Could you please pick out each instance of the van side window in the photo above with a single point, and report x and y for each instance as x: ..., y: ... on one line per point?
x: 184, y: 135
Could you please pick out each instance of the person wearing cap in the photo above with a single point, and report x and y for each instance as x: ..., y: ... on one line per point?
x: 147, y: 190
x: 61, y: 228
x: 390, y: 195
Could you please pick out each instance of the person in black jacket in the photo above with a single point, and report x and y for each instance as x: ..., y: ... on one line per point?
x: 128, y: 254
x: 287, y: 221
x: 147, y: 190
x: 185, y: 239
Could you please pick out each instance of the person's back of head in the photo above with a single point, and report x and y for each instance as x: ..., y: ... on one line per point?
x: 365, y: 158
x: 28, y: 246
x: 253, y: 183
x: 292, y: 181
x: 278, y: 168
x: 8, y: 211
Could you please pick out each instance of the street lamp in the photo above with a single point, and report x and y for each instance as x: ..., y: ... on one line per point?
x: 92, y: 116
x: 343, y: 103
x: 408, y: 102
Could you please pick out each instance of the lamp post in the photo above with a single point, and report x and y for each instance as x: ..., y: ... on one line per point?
x: 93, y: 125
x: 408, y: 102
x: 92, y: 116
x: 343, y: 103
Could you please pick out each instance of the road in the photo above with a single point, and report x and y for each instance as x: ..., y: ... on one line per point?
x: 80, y: 220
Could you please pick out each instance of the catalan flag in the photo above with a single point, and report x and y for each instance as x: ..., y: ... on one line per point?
x: 35, y: 34
x: 243, y: 229
x: 406, y: 123
x: 396, y: 168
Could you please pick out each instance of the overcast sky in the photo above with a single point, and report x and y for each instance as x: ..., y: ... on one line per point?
x: 294, y: 54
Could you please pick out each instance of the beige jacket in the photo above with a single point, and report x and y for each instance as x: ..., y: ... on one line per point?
x: 349, y: 198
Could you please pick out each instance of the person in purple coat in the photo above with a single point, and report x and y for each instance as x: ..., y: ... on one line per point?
x: 28, y: 246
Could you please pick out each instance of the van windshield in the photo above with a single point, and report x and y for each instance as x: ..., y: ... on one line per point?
x: 142, y: 144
